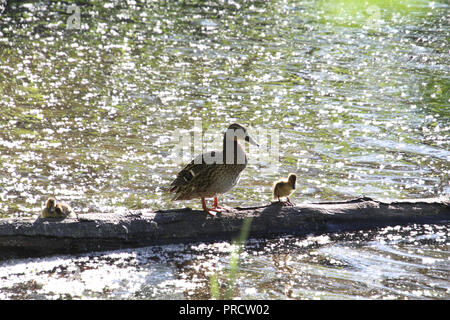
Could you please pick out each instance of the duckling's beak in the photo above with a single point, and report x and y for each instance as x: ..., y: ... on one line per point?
x: 251, y: 140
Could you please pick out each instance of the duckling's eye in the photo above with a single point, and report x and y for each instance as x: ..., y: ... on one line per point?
x: 247, y: 138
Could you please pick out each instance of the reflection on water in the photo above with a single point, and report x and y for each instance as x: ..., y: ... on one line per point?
x: 409, y: 262
x: 358, y: 91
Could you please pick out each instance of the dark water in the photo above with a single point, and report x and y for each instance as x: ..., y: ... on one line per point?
x: 357, y: 92
x: 409, y: 262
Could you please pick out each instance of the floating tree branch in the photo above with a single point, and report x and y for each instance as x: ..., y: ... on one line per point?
x: 138, y: 228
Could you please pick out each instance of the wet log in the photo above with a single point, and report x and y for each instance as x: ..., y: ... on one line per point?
x: 137, y: 228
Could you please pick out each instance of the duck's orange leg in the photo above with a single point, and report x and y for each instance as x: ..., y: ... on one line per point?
x: 211, y: 211
x: 289, y: 202
x: 216, y: 205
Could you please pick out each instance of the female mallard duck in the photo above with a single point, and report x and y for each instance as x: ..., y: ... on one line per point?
x: 284, y: 188
x: 57, y: 210
x: 213, y: 173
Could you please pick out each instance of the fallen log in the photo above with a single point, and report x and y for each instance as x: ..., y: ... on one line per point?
x: 96, y: 232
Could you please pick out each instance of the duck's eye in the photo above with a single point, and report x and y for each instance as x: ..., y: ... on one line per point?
x: 247, y: 138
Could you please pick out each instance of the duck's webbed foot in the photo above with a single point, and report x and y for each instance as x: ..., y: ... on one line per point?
x: 286, y: 203
x: 289, y: 202
x: 211, y: 211
x: 221, y: 208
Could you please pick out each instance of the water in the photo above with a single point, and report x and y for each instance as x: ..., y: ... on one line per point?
x: 359, y: 93
x: 410, y: 262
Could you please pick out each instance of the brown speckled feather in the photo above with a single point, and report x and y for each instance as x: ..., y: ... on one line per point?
x: 205, y: 180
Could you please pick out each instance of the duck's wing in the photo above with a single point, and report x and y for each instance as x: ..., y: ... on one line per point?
x: 192, y: 170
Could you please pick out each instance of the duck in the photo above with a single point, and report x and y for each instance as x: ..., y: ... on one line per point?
x: 55, y: 209
x: 49, y: 210
x: 215, y: 172
x: 62, y: 209
x: 284, y: 188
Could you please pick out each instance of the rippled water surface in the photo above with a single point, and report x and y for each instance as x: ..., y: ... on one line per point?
x: 361, y: 100
x: 358, y: 92
x: 410, y: 262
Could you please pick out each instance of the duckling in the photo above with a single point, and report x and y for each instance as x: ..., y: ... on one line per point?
x: 284, y: 188
x: 62, y: 209
x: 49, y: 210
x: 57, y: 210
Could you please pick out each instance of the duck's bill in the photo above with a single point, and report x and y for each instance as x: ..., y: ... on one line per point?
x: 251, y: 140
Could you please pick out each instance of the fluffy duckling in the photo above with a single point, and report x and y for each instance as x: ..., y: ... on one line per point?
x: 285, y: 187
x: 62, y: 209
x: 57, y: 210
x: 49, y: 210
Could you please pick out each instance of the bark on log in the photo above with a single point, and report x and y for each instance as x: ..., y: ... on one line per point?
x: 94, y: 232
